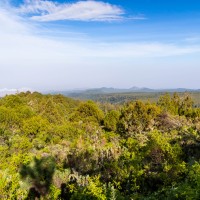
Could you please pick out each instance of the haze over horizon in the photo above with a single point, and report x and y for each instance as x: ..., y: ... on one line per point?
x: 62, y: 45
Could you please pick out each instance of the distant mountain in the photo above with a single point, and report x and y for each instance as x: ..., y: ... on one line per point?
x: 138, y: 89
x: 180, y: 90
x: 105, y: 90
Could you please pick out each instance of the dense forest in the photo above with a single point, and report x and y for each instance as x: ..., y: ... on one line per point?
x: 123, y: 97
x: 54, y: 147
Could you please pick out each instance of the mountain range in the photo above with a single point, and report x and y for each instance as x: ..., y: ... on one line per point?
x: 102, y: 90
x: 110, y: 90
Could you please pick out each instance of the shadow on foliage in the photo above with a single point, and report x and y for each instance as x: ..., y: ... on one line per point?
x: 38, y: 174
x: 65, y: 192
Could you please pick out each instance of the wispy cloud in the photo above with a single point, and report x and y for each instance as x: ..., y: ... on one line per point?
x: 194, y: 39
x: 18, y: 41
x: 41, y: 10
x: 31, y: 60
x: 142, y: 50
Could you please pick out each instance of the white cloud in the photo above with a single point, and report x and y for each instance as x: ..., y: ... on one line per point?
x: 6, y: 91
x: 82, y: 11
x: 11, y: 23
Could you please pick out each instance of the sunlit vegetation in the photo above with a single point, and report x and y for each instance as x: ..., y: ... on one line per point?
x: 54, y: 147
x: 124, y: 97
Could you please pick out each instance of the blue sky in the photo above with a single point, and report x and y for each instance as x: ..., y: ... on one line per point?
x: 60, y: 45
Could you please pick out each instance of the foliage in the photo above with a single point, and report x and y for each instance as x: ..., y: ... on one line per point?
x: 54, y: 147
x: 88, y: 112
x: 39, y: 174
x: 137, y: 117
x: 111, y: 120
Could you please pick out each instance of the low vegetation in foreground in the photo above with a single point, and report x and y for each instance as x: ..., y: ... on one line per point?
x: 53, y: 147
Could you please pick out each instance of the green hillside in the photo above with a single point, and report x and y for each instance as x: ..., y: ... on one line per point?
x: 54, y: 147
